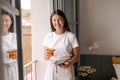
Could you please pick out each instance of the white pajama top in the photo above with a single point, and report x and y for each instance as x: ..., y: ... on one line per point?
x: 10, y: 66
x: 63, y: 45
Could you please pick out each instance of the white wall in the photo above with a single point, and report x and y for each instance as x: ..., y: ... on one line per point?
x: 100, y: 22
x: 40, y: 10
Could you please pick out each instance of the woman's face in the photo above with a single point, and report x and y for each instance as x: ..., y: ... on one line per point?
x: 6, y: 22
x: 58, y: 22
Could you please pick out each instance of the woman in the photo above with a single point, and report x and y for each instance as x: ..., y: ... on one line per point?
x: 64, y: 47
x: 9, y: 47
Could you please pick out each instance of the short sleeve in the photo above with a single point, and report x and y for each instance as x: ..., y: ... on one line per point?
x: 46, y: 40
x: 44, y: 43
x: 74, y: 42
x: 15, y: 37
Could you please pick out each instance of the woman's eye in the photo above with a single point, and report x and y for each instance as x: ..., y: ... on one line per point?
x: 59, y: 19
x: 6, y: 20
x: 54, y: 20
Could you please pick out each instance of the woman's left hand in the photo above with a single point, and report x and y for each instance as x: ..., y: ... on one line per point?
x: 14, y: 56
x: 66, y: 64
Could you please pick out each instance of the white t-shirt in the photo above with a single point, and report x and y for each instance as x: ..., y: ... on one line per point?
x: 8, y: 43
x: 63, y: 44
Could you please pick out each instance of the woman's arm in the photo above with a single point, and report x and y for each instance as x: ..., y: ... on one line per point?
x: 75, y: 56
x: 74, y: 59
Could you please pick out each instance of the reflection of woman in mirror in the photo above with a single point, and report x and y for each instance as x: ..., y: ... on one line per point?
x: 9, y: 47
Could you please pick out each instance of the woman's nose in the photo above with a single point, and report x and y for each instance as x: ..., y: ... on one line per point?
x: 57, y: 22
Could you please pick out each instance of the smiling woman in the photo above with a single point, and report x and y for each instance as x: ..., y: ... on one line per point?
x: 65, y: 44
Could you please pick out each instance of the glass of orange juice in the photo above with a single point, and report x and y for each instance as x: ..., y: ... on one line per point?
x: 12, y: 53
x: 51, y: 51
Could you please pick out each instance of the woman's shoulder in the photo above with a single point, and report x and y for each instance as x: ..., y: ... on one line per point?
x: 70, y: 33
x: 12, y: 35
x: 48, y: 35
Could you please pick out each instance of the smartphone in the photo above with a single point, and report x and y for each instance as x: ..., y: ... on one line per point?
x: 60, y: 63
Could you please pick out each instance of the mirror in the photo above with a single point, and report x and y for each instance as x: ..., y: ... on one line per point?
x: 8, y: 42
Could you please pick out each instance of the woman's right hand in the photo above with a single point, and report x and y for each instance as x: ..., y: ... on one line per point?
x: 47, y: 54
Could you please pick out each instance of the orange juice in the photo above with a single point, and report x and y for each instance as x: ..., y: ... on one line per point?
x: 12, y: 53
x: 51, y: 51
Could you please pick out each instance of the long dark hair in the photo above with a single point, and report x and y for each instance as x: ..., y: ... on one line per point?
x: 60, y: 13
x: 11, y: 29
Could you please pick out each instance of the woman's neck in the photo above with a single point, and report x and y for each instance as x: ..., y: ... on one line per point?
x: 3, y: 33
x: 60, y: 32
